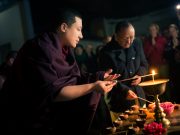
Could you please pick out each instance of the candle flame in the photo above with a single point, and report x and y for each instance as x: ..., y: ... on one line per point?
x: 153, y: 72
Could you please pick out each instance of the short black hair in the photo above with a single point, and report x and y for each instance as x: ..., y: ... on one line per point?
x: 122, y: 25
x: 65, y: 16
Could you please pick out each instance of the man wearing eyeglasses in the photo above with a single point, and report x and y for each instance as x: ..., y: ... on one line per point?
x: 125, y: 55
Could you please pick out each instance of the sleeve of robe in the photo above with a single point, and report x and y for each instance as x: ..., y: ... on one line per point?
x: 40, y: 71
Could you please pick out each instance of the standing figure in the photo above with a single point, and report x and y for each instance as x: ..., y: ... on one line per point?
x: 172, y: 55
x: 154, y: 48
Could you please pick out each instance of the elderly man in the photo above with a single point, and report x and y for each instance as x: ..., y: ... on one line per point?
x: 126, y: 57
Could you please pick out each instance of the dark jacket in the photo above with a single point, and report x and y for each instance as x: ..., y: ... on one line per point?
x: 127, y: 62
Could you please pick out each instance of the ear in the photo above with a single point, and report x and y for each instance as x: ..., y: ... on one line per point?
x: 115, y: 36
x: 63, y: 27
x: 11, y: 60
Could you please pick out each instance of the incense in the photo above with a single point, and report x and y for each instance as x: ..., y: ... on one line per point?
x: 145, y: 100
x: 135, y: 77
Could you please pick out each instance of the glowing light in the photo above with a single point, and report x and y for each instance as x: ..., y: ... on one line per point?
x: 153, y: 73
x: 178, y: 6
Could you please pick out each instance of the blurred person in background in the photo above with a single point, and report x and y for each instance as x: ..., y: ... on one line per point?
x: 154, y: 49
x: 5, y: 67
x: 91, y: 60
x: 106, y: 39
x: 172, y: 44
x: 172, y: 55
x: 81, y: 57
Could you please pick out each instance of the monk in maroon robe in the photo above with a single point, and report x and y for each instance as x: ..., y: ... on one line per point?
x: 46, y: 94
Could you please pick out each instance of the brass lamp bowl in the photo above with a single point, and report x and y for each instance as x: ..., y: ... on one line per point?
x: 154, y: 87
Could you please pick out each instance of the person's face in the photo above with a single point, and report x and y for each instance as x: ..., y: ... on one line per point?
x: 153, y: 31
x: 78, y: 51
x: 89, y: 48
x: 107, y: 39
x: 73, y: 33
x: 10, y: 61
x: 125, y: 37
x: 173, y: 32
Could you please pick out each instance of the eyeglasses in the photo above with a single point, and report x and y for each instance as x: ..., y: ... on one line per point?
x: 127, y: 38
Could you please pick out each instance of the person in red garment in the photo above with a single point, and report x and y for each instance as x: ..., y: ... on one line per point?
x: 46, y: 94
x: 154, y: 49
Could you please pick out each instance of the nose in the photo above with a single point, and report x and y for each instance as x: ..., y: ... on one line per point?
x: 81, y: 35
x: 128, y: 41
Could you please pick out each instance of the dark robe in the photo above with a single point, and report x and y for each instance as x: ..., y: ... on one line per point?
x: 42, y: 68
x: 127, y: 62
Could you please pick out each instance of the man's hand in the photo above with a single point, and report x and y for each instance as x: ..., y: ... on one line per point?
x: 136, y: 81
x: 153, y: 41
x: 131, y: 95
x: 108, y: 77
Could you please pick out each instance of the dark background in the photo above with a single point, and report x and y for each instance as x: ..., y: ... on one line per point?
x: 94, y: 10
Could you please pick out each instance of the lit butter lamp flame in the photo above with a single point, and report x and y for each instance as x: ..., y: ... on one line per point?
x: 153, y: 73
